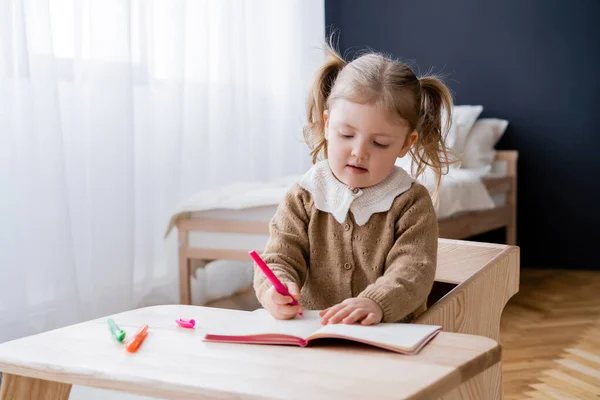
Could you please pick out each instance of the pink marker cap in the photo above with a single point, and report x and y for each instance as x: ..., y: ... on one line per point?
x: 185, y: 323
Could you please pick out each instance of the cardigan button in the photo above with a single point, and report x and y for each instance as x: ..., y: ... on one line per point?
x: 355, y: 190
x: 347, y: 266
x: 346, y: 227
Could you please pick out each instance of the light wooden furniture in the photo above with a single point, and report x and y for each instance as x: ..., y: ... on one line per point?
x: 175, y: 363
x: 474, y: 281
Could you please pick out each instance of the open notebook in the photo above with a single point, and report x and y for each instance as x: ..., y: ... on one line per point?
x: 259, y: 327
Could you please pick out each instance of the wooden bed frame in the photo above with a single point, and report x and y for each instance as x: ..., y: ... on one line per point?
x: 473, y: 223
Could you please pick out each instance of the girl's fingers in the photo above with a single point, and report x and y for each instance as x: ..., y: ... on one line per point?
x: 341, y: 314
x: 331, y: 311
x: 280, y: 299
x: 282, y: 316
x: 292, y: 310
x: 293, y: 289
x: 286, y: 312
x: 369, y: 319
x: 356, y: 315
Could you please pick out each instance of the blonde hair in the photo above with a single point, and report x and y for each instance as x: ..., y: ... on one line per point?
x: 376, y: 79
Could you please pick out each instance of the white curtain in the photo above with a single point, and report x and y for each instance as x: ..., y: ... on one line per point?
x: 112, y: 112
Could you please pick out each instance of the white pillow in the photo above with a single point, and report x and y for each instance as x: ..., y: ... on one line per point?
x: 479, y: 146
x: 463, y: 118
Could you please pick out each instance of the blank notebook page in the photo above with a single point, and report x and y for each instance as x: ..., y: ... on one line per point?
x: 260, y: 322
x: 403, y: 336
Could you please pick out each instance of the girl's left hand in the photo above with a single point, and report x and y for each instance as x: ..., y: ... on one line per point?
x: 352, y: 310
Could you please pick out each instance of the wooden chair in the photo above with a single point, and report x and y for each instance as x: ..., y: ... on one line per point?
x: 473, y: 283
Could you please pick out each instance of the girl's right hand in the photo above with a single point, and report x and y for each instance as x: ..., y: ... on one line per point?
x: 279, y: 305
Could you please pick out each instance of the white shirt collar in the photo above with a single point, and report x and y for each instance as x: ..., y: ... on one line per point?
x: 333, y: 196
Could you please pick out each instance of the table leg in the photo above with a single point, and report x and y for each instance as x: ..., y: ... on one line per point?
x: 16, y: 387
x: 185, y: 296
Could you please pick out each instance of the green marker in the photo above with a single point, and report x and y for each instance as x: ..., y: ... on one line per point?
x: 116, y: 331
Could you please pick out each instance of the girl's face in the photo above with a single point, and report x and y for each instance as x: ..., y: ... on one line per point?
x: 363, y: 142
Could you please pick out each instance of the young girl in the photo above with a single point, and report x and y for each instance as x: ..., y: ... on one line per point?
x: 357, y: 236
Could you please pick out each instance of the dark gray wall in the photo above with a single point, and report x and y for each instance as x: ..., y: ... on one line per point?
x: 532, y: 62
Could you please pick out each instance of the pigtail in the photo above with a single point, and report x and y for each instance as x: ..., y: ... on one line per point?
x: 314, y: 131
x: 430, y: 149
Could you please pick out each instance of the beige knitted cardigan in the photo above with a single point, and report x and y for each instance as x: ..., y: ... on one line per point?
x: 387, y: 253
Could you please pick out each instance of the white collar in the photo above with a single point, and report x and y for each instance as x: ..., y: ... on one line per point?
x: 333, y: 196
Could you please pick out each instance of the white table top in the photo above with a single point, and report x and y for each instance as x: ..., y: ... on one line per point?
x: 174, y: 362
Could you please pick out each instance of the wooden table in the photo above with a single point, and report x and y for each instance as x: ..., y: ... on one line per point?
x: 175, y: 363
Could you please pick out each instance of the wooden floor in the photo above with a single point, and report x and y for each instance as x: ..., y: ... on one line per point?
x: 550, y: 335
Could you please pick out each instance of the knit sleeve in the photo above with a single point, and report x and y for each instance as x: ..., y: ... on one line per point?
x: 410, y: 265
x: 286, y: 252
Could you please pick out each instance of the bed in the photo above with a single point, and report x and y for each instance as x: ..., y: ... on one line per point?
x: 228, y: 222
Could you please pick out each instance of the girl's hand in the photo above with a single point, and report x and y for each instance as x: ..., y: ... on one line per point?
x: 349, y: 311
x: 278, y: 304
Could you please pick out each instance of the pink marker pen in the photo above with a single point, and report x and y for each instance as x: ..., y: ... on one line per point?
x: 271, y: 276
